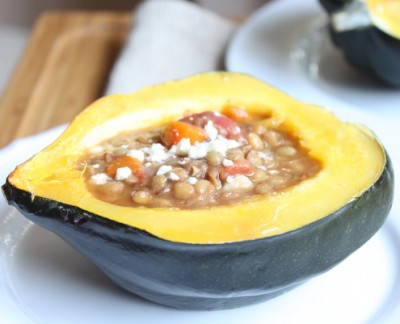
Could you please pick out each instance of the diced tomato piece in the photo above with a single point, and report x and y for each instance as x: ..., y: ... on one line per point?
x: 177, y: 130
x: 236, y: 113
x: 126, y: 161
x: 226, y: 126
x: 241, y: 166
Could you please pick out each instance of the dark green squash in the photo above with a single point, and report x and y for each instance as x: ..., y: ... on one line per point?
x: 229, y: 266
x: 371, y: 48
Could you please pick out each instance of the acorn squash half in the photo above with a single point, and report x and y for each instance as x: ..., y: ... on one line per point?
x: 372, y: 47
x: 219, y: 257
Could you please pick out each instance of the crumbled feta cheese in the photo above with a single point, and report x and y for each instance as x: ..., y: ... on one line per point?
x: 211, y: 131
x: 136, y: 154
x: 232, y: 143
x: 237, y: 183
x: 217, y: 145
x: 100, y: 178
x: 198, y: 151
x: 157, y: 146
x: 164, y: 169
x: 183, y: 147
x: 192, y: 180
x: 173, y: 176
x: 157, y: 153
x: 96, y: 166
x: 222, y: 144
x: 123, y: 173
x: 172, y: 150
x: 227, y: 162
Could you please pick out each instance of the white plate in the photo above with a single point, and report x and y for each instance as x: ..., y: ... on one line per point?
x: 42, y: 280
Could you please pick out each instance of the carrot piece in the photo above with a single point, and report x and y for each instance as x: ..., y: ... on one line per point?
x: 125, y: 161
x: 177, y: 130
x: 236, y: 113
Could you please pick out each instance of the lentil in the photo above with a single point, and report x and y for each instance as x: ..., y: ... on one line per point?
x: 259, y: 175
x: 183, y: 190
x: 204, y: 187
x: 141, y: 197
x: 214, y: 157
x: 255, y: 141
x: 254, y: 157
x: 182, y: 174
x: 234, y: 154
x: 286, y: 151
x: 158, y: 183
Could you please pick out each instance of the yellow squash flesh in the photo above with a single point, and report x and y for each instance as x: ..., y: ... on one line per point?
x: 385, y: 15
x: 352, y: 160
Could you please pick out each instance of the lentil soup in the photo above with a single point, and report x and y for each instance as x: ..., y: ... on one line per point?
x: 201, y: 160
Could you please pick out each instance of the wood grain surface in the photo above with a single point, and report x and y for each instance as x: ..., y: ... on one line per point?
x: 65, y: 67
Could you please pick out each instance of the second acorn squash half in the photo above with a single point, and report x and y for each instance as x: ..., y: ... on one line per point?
x: 375, y: 48
x: 352, y: 160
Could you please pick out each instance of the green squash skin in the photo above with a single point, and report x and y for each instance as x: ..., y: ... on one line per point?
x: 214, y: 276
x: 368, y: 49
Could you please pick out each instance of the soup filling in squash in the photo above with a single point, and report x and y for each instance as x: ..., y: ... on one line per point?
x: 200, y: 160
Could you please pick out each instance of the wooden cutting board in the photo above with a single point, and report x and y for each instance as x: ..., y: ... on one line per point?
x: 64, y: 68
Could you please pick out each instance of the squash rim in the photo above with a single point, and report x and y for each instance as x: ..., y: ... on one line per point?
x: 238, y: 80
